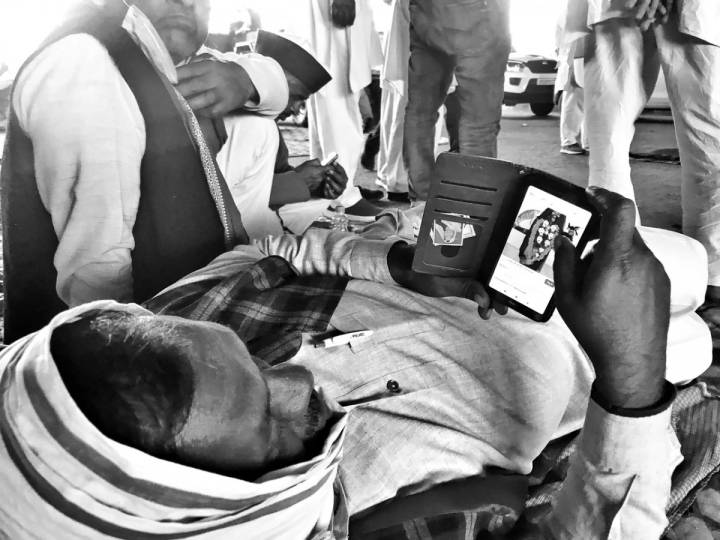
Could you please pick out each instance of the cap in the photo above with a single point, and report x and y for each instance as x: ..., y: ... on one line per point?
x: 293, y: 58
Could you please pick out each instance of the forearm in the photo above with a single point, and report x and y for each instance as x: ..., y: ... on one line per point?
x: 619, y: 480
x: 288, y: 188
x: 320, y: 251
x: 268, y: 79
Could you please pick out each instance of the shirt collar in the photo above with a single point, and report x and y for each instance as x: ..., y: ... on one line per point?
x: 144, y: 34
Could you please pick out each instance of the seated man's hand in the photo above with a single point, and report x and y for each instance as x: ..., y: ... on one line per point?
x: 342, y: 13
x: 313, y: 174
x: 215, y: 87
x: 617, y: 304
x: 335, y: 181
x: 400, y: 259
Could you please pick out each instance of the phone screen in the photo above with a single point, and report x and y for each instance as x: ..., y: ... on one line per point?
x: 524, y: 272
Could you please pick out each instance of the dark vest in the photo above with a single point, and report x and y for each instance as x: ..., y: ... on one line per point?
x: 177, y: 228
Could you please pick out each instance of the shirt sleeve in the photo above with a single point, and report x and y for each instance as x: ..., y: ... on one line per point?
x: 619, y: 481
x: 321, y: 251
x: 88, y: 140
x: 267, y: 76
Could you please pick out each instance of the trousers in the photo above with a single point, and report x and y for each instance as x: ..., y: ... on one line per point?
x: 621, y: 69
x: 479, y: 71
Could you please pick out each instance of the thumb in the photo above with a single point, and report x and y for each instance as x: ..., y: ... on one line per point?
x: 476, y: 292
x: 565, y: 273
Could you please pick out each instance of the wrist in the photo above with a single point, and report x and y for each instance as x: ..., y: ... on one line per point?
x: 399, y: 259
x: 667, y: 396
x: 619, y: 395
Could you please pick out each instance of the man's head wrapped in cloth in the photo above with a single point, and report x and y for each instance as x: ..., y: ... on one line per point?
x: 117, y: 423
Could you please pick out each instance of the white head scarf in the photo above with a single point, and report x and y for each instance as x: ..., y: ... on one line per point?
x: 63, y: 479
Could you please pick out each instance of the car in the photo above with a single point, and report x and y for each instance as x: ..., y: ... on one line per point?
x: 530, y: 78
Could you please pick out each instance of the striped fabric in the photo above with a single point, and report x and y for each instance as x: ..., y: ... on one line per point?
x: 62, y: 479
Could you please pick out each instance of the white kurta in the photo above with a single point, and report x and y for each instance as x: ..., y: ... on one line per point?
x: 349, y: 54
x: 620, y: 74
x: 88, y: 140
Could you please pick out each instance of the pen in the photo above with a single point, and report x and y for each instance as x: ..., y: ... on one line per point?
x: 343, y: 339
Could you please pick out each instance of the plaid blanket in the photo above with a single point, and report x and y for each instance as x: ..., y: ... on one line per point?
x: 267, y: 305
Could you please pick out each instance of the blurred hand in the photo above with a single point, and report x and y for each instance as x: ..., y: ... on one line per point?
x: 313, y: 174
x: 214, y: 87
x: 335, y: 181
x: 617, y: 305
x: 342, y: 13
x: 400, y: 259
x: 642, y: 9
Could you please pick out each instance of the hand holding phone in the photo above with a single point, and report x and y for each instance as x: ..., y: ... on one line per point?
x: 523, y: 275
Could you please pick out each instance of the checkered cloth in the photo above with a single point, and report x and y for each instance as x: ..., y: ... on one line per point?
x: 267, y: 305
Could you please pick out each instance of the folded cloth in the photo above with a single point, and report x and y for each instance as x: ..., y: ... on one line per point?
x: 63, y: 479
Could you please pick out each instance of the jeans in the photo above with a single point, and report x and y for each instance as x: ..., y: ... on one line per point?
x: 479, y: 70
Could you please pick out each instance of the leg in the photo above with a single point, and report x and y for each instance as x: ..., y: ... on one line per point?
x: 692, y: 69
x: 391, y: 170
x: 429, y: 76
x: 247, y: 161
x: 480, y: 78
x: 335, y: 125
x: 620, y: 72
x: 571, y: 116
x: 452, y: 121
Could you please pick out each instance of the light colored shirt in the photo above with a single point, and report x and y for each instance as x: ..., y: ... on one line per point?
x: 471, y: 394
x: 617, y: 486
x: 697, y: 18
x: 89, y: 139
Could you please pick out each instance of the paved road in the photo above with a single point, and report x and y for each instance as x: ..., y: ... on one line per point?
x: 533, y: 141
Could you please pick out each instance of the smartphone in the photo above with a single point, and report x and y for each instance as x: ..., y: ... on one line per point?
x: 523, y: 275
x: 332, y: 158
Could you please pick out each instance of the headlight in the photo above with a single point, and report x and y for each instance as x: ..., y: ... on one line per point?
x: 514, y: 67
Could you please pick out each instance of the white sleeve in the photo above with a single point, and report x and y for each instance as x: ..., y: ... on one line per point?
x: 88, y: 139
x: 320, y: 251
x: 267, y: 76
x: 619, y: 480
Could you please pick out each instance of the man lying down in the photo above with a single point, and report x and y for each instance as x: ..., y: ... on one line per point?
x: 119, y: 423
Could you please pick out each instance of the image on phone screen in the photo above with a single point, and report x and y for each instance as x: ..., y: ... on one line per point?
x: 524, y: 272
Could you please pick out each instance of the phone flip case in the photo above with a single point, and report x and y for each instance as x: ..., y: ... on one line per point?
x: 470, y: 199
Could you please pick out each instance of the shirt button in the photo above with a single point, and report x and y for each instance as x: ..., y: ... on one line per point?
x: 393, y: 386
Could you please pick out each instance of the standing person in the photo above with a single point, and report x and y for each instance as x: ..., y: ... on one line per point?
x: 629, y: 46
x: 470, y: 38
x: 393, y: 81
x: 392, y: 174
x: 573, y: 134
x: 342, y: 36
x: 109, y: 186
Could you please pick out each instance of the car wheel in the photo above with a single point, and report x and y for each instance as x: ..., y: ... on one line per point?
x: 300, y: 116
x: 542, y: 109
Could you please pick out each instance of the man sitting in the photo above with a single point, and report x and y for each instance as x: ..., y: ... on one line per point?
x: 116, y: 422
x: 269, y: 192
x: 109, y: 185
